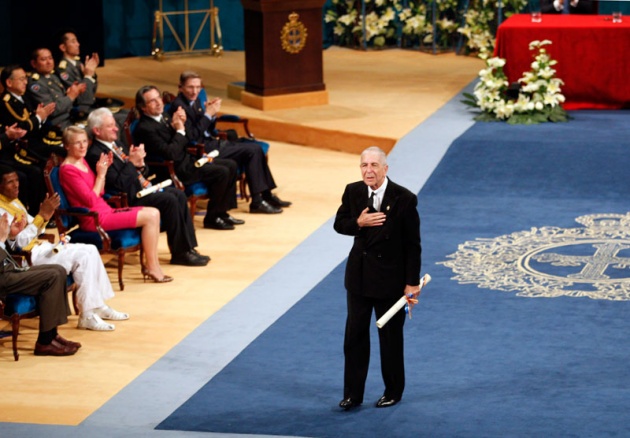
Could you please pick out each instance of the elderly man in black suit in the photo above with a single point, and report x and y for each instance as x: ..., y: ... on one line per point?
x: 384, y: 264
x: 200, y: 124
x: 128, y: 174
x: 165, y: 137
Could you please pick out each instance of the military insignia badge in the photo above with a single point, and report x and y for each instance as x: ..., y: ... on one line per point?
x: 64, y: 76
x: 35, y: 87
x: 590, y: 261
x: 293, y: 35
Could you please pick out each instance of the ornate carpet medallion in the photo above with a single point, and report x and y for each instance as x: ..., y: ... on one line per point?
x: 588, y: 261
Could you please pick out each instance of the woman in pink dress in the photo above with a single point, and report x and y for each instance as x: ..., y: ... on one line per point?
x: 84, y: 189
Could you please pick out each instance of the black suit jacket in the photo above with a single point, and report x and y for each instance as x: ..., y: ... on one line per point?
x: 162, y: 141
x: 197, y: 124
x: 382, y: 259
x: 121, y: 176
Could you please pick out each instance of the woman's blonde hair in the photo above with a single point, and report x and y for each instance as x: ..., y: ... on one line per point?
x: 70, y: 132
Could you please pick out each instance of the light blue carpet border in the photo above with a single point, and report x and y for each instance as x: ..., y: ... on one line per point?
x: 149, y: 399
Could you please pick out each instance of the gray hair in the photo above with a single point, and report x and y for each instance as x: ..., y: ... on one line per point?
x: 376, y: 150
x: 96, y: 119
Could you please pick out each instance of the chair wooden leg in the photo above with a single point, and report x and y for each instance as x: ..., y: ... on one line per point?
x: 74, y: 299
x: 15, y: 330
x: 242, y: 187
x: 192, y: 202
x: 121, y: 262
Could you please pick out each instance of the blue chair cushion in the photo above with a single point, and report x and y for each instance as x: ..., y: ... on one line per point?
x: 197, y: 189
x: 20, y: 304
x: 120, y: 238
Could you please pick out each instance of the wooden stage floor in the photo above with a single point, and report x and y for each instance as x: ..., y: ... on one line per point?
x: 375, y: 97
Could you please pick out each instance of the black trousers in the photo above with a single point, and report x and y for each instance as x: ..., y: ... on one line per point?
x: 47, y: 282
x: 175, y: 218
x: 220, y: 178
x: 356, y: 347
x: 250, y: 158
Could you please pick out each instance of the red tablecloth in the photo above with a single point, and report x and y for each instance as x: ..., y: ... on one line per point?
x: 593, y: 55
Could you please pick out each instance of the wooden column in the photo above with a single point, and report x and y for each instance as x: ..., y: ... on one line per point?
x: 283, y: 54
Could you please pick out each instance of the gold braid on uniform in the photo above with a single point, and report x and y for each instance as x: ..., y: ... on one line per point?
x: 25, y: 115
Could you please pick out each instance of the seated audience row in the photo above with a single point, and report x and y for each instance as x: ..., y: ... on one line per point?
x: 43, y: 113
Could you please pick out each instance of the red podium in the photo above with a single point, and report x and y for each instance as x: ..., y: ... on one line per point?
x: 283, y: 54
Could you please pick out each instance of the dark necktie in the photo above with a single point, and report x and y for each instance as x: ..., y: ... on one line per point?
x: 8, y: 263
x: 371, y: 208
x: 118, y: 151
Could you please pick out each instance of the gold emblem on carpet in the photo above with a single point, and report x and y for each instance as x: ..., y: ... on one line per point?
x: 590, y: 261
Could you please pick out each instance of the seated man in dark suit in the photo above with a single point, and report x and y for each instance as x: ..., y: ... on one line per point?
x: 165, y: 137
x: 575, y: 6
x: 128, y: 173
x: 48, y: 283
x: 200, y: 123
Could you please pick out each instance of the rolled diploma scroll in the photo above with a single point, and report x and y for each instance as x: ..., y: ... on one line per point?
x: 206, y: 157
x: 159, y: 186
x: 62, y: 242
x: 400, y: 304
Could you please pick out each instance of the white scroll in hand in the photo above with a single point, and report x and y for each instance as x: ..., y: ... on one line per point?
x: 400, y: 304
x: 206, y: 157
x: 154, y: 188
x: 63, y: 240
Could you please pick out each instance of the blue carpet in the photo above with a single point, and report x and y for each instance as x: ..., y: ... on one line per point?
x: 480, y: 362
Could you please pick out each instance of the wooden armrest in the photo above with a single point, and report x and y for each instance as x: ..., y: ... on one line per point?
x: 234, y: 119
x: 47, y: 236
x: 170, y: 166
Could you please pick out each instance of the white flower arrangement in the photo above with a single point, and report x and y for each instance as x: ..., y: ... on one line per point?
x: 387, y: 22
x: 539, y: 96
x: 481, y: 23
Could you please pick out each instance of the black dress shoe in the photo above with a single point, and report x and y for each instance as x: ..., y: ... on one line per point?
x: 188, y: 259
x: 385, y: 402
x: 205, y: 257
x: 349, y: 403
x: 218, y: 224
x: 232, y: 220
x: 54, y: 349
x: 264, y: 207
x: 277, y: 202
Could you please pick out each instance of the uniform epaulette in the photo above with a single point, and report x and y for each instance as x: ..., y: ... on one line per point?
x: 7, y: 97
x: 52, y: 139
x: 77, y: 58
x: 35, y: 76
x: 63, y: 64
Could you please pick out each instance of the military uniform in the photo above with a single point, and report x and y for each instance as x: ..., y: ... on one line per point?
x: 43, y: 139
x: 30, y: 175
x: 47, y: 89
x: 69, y: 73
